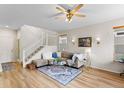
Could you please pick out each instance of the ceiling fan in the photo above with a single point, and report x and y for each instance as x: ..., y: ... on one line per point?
x: 70, y: 12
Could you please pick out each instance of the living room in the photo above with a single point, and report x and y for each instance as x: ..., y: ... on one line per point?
x: 61, y: 45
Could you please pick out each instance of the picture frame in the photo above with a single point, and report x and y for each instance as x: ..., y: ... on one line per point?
x: 85, y: 42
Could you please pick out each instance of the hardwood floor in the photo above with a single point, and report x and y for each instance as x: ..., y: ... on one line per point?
x: 21, y: 78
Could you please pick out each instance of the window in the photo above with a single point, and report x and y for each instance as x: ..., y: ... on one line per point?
x: 119, y: 45
x: 52, y: 40
x: 62, y: 42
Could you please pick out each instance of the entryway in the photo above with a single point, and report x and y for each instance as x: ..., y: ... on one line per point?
x: 8, y: 45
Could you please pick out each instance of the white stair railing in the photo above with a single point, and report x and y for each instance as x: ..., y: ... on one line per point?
x: 27, y: 52
x: 23, y: 59
x: 31, y: 49
x: 34, y: 48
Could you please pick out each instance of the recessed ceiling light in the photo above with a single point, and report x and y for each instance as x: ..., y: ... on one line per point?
x: 6, y: 26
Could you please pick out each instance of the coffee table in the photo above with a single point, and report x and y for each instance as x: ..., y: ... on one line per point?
x: 53, y: 62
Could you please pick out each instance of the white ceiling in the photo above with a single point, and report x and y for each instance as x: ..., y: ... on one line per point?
x: 41, y: 15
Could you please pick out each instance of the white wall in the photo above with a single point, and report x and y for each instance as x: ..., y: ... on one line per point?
x: 1, y: 68
x: 8, y: 45
x: 30, y: 35
x: 102, y: 54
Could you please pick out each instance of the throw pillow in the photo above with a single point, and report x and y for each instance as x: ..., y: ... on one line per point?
x: 58, y: 54
x: 54, y: 55
x: 67, y: 55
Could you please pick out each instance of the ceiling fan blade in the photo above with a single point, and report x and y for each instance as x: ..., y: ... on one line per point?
x: 57, y: 14
x: 61, y: 9
x: 80, y: 15
x: 65, y: 6
x: 60, y: 17
x: 76, y: 9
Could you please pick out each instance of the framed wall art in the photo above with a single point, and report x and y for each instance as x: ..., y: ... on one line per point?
x: 85, y: 42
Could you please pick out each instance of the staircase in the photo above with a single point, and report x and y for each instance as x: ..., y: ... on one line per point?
x: 31, y: 51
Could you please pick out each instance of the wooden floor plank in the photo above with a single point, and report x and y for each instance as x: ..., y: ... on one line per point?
x: 25, y: 78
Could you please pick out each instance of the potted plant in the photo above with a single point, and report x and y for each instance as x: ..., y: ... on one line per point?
x: 57, y: 60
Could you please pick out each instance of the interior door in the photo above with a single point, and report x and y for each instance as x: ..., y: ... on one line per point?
x: 7, y: 46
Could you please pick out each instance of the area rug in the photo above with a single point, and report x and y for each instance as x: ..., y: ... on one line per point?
x: 62, y: 74
x: 7, y: 66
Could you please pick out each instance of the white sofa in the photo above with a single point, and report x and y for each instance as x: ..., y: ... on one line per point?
x: 65, y: 56
x: 40, y: 62
x: 44, y: 59
x: 77, y: 63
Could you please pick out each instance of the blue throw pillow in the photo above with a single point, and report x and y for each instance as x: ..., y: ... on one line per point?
x: 54, y: 55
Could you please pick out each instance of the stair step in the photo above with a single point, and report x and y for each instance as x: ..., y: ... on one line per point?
x: 33, y: 53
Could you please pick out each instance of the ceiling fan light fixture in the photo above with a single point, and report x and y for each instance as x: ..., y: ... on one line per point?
x: 69, y: 13
x: 70, y: 20
x: 66, y: 19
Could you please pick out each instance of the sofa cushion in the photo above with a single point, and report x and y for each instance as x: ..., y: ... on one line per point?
x: 67, y: 55
x: 47, y: 55
x: 40, y: 62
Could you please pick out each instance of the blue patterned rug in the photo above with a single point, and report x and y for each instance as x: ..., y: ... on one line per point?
x: 62, y: 74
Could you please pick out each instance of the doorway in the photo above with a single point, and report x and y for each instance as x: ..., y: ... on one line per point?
x: 8, y: 46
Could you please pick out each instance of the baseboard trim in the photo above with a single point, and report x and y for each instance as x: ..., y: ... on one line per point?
x: 104, y: 71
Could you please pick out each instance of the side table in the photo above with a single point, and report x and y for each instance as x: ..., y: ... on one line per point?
x: 31, y: 66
